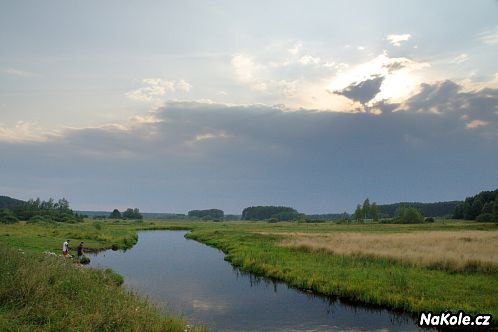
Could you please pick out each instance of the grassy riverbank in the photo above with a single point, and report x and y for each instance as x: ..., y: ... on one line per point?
x: 49, y: 293
x: 398, y: 281
x: 435, y: 267
x: 45, y: 292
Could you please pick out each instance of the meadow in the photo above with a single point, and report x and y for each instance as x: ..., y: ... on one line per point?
x: 446, y: 265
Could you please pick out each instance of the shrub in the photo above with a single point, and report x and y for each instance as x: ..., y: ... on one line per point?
x: 7, y: 217
x: 429, y: 220
x: 37, y: 219
x: 408, y: 215
x: 85, y: 260
x: 485, y: 217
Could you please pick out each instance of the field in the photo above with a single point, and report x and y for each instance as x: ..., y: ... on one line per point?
x: 447, y: 265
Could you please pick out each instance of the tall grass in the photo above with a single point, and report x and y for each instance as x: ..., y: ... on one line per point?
x: 367, y: 279
x: 47, y: 293
x: 466, y: 251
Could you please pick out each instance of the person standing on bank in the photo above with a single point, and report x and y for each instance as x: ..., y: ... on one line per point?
x: 65, y: 248
x: 80, y: 251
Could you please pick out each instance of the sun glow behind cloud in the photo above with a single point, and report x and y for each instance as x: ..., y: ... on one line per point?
x: 402, y: 77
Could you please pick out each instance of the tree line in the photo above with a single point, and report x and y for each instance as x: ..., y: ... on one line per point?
x: 36, y: 210
x: 481, y: 207
x: 210, y: 214
x: 129, y: 213
x: 436, y: 209
x: 279, y: 213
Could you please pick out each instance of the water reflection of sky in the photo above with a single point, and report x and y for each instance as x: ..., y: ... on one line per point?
x: 185, y: 276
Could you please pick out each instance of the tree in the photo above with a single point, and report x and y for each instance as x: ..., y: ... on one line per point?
x: 408, y: 215
x: 358, y: 213
x: 366, y: 208
x: 495, y: 209
x: 213, y: 214
x: 132, y: 214
x: 115, y: 214
x: 269, y: 212
x: 7, y: 217
x: 374, y: 211
x: 459, y: 211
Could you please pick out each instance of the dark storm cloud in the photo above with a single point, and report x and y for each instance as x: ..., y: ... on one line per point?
x: 363, y: 91
x: 449, y: 100
x: 201, y: 155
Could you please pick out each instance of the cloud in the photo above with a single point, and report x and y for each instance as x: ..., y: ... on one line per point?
x: 476, y: 123
x: 489, y: 37
x: 296, y: 48
x: 401, y: 78
x: 474, y: 109
x: 396, y: 40
x: 200, y: 155
x: 363, y: 91
x: 309, y: 60
x: 155, y: 88
x: 460, y: 58
x: 24, y: 132
x: 247, y: 71
x: 21, y: 73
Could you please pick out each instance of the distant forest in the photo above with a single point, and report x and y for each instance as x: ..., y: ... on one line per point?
x: 438, y: 209
x: 9, y: 203
x: 481, y: 207
x: 36, y: 210
x: 281, y: 213
x: 211, y: 214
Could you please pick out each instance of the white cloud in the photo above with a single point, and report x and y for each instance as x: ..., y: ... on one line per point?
x: 248, y: 72
x: 183, y: 85
x: 489, y: 37
x: 476, y: 123
x: 294, y: 50
x: 155, y: 88
x: 309, y: 60
x: 21, y: 73
x: 329, y: 64
x: 210, y: 135
x: 396, y: 40
x: 24, y: 132
x: 402, y: 77
x: 460, y: 58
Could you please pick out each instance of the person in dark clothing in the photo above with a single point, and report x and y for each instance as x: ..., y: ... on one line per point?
x: 80, y: 251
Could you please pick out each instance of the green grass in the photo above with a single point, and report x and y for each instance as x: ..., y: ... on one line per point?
x: 255, y: 247
x: 365, y: 279
x: 49, y: 293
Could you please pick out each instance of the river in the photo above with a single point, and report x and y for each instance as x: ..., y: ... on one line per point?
x: 184, y: 276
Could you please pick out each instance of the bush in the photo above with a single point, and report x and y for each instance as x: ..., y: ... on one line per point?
x: 37, y: 219
x: 485, y: 217
x: 408, y: 215
x: 429, y: 220
x: 85, y: 260
x: 7, y: 217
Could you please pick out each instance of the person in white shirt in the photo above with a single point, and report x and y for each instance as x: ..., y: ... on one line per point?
x: 65, y: 248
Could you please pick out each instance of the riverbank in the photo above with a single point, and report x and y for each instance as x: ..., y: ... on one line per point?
x: 264, y: 249
x: 49, y: 293
x: 364, y: 277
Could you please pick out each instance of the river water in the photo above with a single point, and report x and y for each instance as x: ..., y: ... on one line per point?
x: 187, y: 277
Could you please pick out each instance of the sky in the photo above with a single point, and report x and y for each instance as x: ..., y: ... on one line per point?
x: 172, y: 106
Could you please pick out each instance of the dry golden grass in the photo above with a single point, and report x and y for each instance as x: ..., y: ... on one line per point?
x: 454, y: 251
